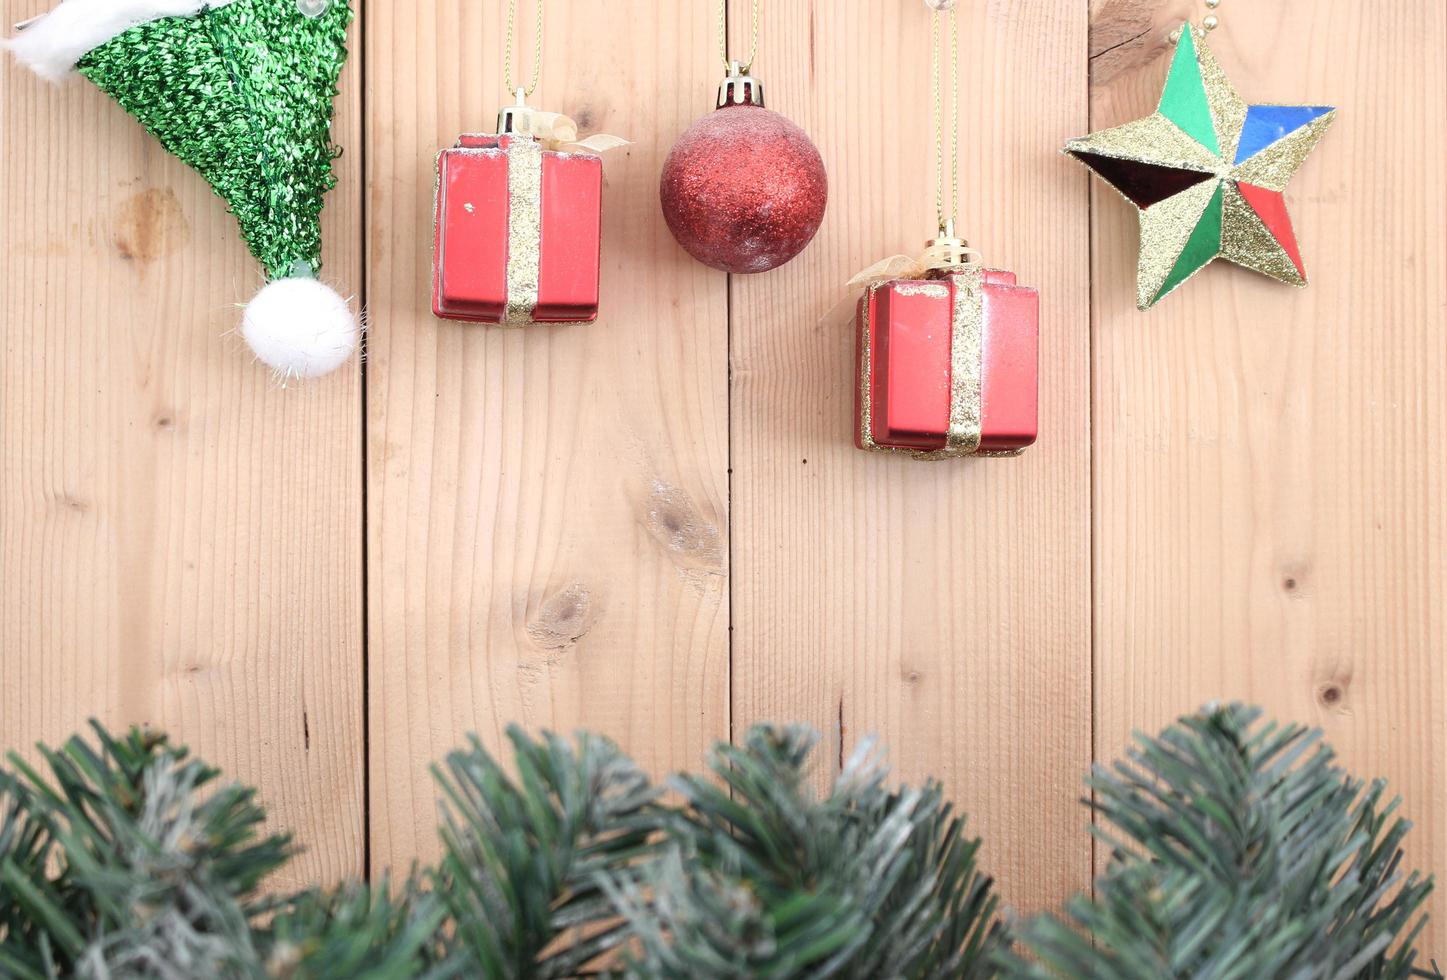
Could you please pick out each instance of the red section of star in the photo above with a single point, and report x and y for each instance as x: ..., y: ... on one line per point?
x: 1270, y: 207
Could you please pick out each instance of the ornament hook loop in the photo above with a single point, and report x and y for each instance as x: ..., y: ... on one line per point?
x: 513, y: 119
x: 949, y: 249
x: 740, y: 88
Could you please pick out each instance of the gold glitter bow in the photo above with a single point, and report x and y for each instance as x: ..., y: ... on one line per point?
x: 939, y: 255
x: 557, y: 132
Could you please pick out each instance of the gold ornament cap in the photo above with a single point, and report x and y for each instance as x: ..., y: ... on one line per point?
x: 512, y: 119
x: 948, y: 248
x: 740, y: 88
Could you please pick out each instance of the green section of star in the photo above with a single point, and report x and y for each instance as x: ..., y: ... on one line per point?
x: 1203, y: 246
x: 1184, y: 100
x: 1198, y: 128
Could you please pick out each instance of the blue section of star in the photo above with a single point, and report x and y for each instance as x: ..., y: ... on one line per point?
x: 1266, y: 124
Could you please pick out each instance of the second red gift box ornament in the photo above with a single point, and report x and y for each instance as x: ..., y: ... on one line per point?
x: 948, y: 351
x: 519, y: 215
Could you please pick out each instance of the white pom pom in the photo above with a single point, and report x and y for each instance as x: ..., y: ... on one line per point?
x: 300, y: 328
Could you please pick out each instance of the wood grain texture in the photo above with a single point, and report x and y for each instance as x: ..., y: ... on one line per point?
x: 1269, y: 469
x: 548, y: 506
x: 942, y: 606
x: 180, y: 539
x: 546, y: 514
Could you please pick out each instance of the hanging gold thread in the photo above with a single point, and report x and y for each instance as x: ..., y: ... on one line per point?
x: 948, y: 266
x: 723, y: 37
x: 512, y: 13
x: 946, y: 43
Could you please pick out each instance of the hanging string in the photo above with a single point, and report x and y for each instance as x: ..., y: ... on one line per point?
x: 945, y: 44
x: 723, y: 37
x: 1212, y: 21
x: 512, y: 13
x: 1208, y: 24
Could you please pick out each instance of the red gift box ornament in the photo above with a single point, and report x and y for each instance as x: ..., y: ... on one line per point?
x: 948, y: 352
x: 519, y: 222
x: 948, y: 357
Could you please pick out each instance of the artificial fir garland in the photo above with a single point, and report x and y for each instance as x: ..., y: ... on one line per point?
x: 1239, y: 850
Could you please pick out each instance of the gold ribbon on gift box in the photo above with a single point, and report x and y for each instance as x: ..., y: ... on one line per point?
x: 557, y: 132
x: 535, y: 132
x: 940, y: 255
x: 943, y: 257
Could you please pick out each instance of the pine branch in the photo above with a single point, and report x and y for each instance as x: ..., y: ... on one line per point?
x: 357, y: 931
x: 764, y: 879
x: 1238, y: 850
x: 130, y: 861
x: 525, y: 858
x: 153, y: 876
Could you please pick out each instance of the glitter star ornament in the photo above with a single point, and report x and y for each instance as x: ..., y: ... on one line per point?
x: 1208, y: 175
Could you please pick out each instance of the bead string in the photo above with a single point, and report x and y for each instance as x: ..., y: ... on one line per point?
x: 723, y: 37
x: 945, y: 39
x: 1208, y: 24
x: 512, y: 13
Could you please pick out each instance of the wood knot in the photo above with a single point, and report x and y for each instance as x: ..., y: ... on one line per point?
x: 193, y: 672
x: 671, y: 518
x: 71, y: 502
x: 564, y: 618
x: 1128, y: 34
x: 1294, y: 577
x: 1332, y: 684
x: 149, y: 225
x: 1331, y: 695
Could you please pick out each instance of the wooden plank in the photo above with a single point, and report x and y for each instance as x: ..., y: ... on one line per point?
x: 181, y: 538
x: 943, y: 606
x: 548, y: 507
x: 1269, y: 463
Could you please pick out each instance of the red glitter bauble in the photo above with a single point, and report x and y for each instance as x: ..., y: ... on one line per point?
x: 744, y: 189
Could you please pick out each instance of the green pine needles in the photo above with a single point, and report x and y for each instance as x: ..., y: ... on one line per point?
x: 526, y: 859
x: 1238, y: 850
x: 759, y: 877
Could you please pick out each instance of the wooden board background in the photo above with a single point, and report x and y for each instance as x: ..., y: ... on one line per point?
x: 656, y: 526
x: 180, y: 538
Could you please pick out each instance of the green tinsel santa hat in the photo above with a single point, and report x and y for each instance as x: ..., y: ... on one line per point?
x: 242, y: 91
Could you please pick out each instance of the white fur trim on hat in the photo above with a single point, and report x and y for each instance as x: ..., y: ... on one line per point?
x: 51, y: 45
